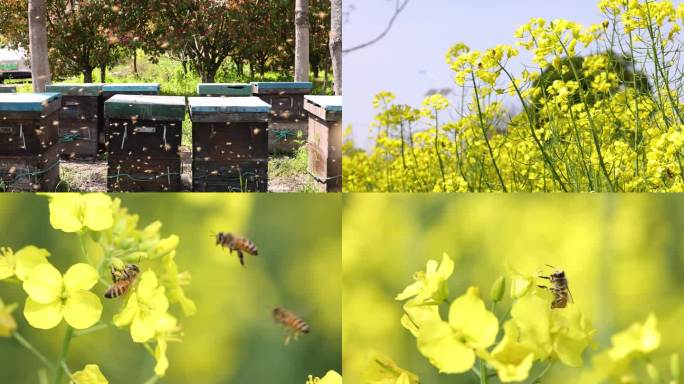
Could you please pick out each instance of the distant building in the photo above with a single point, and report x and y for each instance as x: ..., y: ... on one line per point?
x: 14, y: 64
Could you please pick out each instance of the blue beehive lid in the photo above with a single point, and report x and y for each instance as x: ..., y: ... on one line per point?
x: 145, y: 107
x: 30, y: 102
x: 282, y: 85
x: 82, y: 89
x: 329, y: 103
x: 131, y: 87
x: 225, y: 89
x: 218, y: 109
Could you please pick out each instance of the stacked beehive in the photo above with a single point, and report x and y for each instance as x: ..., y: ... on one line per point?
x: 80, y: 117
x: 325, y: 141
x: 230, y: 143
x: 29, y: 125
x: 111, y: 89
x: 143, y: 134
x: 288, y: 124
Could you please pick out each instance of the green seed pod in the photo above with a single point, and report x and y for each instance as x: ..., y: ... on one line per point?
x: 674, y: 367
x: 498, y: 289
x: 653, y: 373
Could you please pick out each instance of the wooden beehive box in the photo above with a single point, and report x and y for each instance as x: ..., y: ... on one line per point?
x: 143, y: 135
x: 325, y: 141
x: 8, y: 89
x: 111, y: 89
x: 34, y: 173
x: 288, y: 124
x: 224, y: 89
x: 29, y: 123
x: 230, y: 143
x: 80, y: 118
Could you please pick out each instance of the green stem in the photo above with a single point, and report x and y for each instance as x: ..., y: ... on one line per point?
x: 62, y: 355
x: 25, y: 343
x: 484, y: 377
x: 152, y: 379
x: 92, y: 329
x: 484, y: 135
x: 83, y: 249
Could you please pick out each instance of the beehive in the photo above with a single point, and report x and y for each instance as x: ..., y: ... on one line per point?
x: 288, y: 124
x: 230, y: 143
x: 111, y: 89
x: 325, y: 141
x: 143, y: 134
x: 80, y: 118
x: 29, y: 124
x: 224, y: 89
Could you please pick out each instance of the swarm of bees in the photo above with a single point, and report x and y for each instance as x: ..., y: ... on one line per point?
x: 558, y: 287
x: 294, y: 324
x: 122, y: 280
x: 236, y: 243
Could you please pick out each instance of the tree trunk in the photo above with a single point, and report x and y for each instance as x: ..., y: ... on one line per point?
x: 40, y: 68
x: 336, y: 44
x: 103, y: 73
x: 302, y: 40
x: 184, y: 64
x: 87, y: 75
x: 135, y: 61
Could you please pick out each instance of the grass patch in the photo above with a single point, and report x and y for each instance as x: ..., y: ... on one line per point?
x: 289, y: 173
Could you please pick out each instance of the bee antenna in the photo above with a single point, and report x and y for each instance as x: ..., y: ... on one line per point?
x: 549, y: 265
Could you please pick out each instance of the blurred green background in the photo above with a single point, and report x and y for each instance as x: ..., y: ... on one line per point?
x: 623, y: 255
x: 232, y: 338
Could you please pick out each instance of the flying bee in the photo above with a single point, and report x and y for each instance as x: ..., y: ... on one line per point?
x: 123, y: 280
x: 236, y: 243
x: 295, y: 325
x: 559, y: 288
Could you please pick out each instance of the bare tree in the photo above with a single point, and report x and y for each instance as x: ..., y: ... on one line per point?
x: 398, y: 8
x: 336, y: 44
x: 40, y: 68
x: 302, y: 40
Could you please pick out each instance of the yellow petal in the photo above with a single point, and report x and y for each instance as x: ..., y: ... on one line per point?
x: 64, y: 213
x: 98, y: 211
x: 148, y: 283
x: 331, y: 377
x: 446, y: 268
x: 82, y: 309
x: 129, y: 312
x: 44, y: 284
x: 416, y: 314
x: 469, y: 315
x: 91, y: 374
x: 80, y: 276
x: 438, y: 342
x: 142, y: 330
x: 6, y: 267
x: 43, y: 316
x: 28, y: 258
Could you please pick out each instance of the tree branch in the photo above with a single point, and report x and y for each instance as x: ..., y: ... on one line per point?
x: 399, y: 8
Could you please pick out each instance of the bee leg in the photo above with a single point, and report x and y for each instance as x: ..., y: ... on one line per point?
x: 241, y: 257
x: 544, y: 277
x: 543, y: 286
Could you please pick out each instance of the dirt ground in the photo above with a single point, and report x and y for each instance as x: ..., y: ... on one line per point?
x: 91, y: 176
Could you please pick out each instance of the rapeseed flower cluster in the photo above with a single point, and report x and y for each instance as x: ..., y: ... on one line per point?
x: 110, y: 239
x: 599, y: 109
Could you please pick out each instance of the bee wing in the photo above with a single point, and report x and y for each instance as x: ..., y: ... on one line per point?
x: 572, y: 300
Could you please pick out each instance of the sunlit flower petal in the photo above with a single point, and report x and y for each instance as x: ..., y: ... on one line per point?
x: 82, y: 309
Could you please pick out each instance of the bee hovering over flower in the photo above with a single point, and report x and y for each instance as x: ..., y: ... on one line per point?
x: 293, y: 323
x: 123, y: 280
x: 559, y: 288
x: 236, y: 243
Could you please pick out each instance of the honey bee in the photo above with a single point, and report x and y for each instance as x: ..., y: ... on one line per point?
x: 123, y: 280
x: 292, y: 322
x: 236, y: 243
x: 559, y: 288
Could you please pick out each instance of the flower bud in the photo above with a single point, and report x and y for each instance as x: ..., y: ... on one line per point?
x: 498, y: 288
x: 7, y: 323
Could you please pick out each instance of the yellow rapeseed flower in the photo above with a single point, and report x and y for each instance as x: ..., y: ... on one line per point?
x: 91, y: 374
x: 331, y: 377
x: 167, y: 330
x: 72, y: 212
x: 17, y: 264
x: 144, y: 308
x: 451, y: 346
x: 511, y: 359
x: 52, y: 296
x: 430, y: 284
x: 383, y: 370
x: 643, y: 338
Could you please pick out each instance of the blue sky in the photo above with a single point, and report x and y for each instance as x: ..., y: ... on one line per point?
x: 410, y: 60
